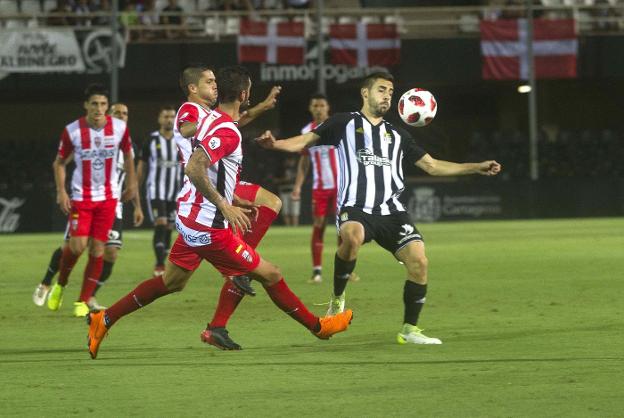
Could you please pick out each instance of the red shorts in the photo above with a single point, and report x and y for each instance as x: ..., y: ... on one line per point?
x: 227, y: 252
x: 92, y: 219
x: 246, y: 191
x: 323, y: 202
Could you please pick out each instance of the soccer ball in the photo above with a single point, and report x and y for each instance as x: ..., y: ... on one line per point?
x: 417, y: 107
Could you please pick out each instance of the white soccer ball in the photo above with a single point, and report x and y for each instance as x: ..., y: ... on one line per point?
x: 417, y: 107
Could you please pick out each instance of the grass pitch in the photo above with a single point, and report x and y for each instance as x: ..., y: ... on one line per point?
x: 530, y: 313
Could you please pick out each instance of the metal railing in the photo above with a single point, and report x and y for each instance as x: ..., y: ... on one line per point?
x: 413, y: 22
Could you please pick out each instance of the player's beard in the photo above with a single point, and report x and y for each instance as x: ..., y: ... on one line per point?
x: 376, y: 108
x: 244, y: 106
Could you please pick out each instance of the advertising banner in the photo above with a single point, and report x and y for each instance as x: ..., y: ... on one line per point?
x: 38, y: 51
x: 58, y: 50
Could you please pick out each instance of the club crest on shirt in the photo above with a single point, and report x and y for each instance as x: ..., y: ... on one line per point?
x: 97, y: 141
x: 388, y: 137
x: 214, y: 143
x: 344, y: 216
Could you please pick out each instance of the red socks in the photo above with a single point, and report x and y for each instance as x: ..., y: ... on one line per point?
x: 230, y: 296
x: 68, y: 260
x: 259, y: 227
x: 229, y: 299
x: 91, y: 276
x: 317, y: 247
x: 142, y: 295
x: 288, y: 302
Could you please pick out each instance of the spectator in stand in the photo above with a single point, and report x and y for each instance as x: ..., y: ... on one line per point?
x: 103, y: 7
x: 129, y: 18
x: 149, y: 19
x: 82, y: 7
x: 232, y: 5
x: 62, y: 6
x: 172, y: 15
x: 297, y: 4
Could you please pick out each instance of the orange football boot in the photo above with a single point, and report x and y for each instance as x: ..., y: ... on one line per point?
x: 334, y: 324
x: 97, y: 332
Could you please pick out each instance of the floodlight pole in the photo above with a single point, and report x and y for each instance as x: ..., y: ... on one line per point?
x: 533, y: 140
x: 320, y: 47
x: 114, y: 76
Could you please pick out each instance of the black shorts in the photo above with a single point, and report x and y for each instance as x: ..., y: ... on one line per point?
x: 391, y: 232
x: 162, y: 209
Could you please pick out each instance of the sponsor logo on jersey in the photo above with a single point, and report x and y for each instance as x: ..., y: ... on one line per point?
x: 98, y: 164
x: 91, y: 154
x: 366, y: 157
x: 202, y: 239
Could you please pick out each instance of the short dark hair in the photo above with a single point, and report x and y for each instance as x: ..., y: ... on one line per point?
x: 191, y: 75
x: 319, y: 96
x: 231, y: 81
x: 166, y: 108
x: 93, y: 89
x: 370, y: 79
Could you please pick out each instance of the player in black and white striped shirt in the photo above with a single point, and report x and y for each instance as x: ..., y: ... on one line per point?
x: 371, y: 152
x: 159, y: 163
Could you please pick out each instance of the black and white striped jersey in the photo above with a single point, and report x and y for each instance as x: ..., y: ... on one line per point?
x: 370, y: 158
x: 164, y: 172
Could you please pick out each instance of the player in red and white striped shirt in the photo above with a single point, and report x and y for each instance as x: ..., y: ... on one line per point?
x: 322, y: 158
x: 206, y: 220
x: 195, y: 83
x: 113, y: 245
x: 94, y: 141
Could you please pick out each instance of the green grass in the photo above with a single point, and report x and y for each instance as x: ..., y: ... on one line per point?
x: 530, y: 312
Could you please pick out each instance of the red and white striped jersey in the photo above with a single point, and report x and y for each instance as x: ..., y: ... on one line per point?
x: 192, y: 113
x: 95, y: 154
x: 324, y: 163
x: 219, y: 137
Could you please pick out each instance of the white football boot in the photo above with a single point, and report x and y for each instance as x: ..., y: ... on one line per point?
x: 336, y: 305
x: 411, y: 334
x: 40, y: 294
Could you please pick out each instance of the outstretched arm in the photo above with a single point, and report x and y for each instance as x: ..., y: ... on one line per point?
x: 446, y: 168
x: 196, y: 172
x: 294, y: 144
x: 260, y: 108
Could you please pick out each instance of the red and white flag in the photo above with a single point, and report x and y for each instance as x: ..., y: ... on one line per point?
x: 272, y: 43
x: 363, y: 45
x: 504, y: 49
